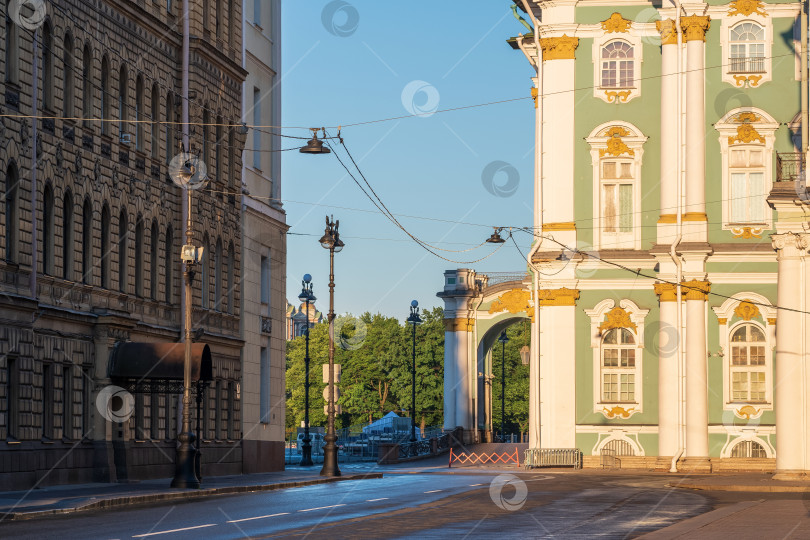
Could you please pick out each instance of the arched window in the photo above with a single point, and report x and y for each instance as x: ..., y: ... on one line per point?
x: 105, y: 96
x: 169, y: 268
x: 123, y: 102
x: 170, y: 148
x: 617, y: 65
x: 205, y: 279
x: 747, y: 41
x: 68, y: 76
x: 231, y: 280
x: 87, y: 242
x: 87, y: 85
x: 618, y: 366
x: 12, y: 49
x: 154, y: 240
x: 748, y: 449
x: 218, y: 276
x: 748, y: 364
x: 47, y: 66
x: 68, y: 246
x: 12, y: 222
x: 155, y: 115
x: 139, y: 256
x: 123, y: 250
x: 105, y: 246
x: 47, y: 230
x: 139, y: 136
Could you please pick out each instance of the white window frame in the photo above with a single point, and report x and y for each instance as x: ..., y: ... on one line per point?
x: 610, y: 94
x: 637, y: 316
x: 598, y: 140
x: 767, y: 314
x: 766, y: 126
x: 728, y: 76
x: 746, y: 369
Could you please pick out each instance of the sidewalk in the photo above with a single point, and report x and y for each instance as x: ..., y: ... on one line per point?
x: 65, y: 499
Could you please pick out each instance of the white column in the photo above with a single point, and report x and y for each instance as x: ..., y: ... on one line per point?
x: 463, y: 383
x: 534, y: 384
x: 697, y: 395
x: 668, y: 402
x: 449, y: 377
x: 669, y: 132
x: 695, y: 222
x: 789, y: 398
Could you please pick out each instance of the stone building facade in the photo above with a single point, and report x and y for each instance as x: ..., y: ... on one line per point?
x: 90, y: 231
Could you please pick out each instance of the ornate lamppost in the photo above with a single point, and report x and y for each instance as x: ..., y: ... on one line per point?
x: 188, y: 172
x: 331, y: 241
x: 503, y: 339
x: 306, y: 296
x: 413, y: 320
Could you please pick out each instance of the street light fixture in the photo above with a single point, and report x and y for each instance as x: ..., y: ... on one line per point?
x: 315, y: 145
x: 413, y: 320
x: 307, y: 297
x: 188, y: 172
x: 331, y: 241
x: 503, y: 339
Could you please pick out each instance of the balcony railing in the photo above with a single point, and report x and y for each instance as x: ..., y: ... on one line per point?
x: 789, y: 167
x: 747, y: 65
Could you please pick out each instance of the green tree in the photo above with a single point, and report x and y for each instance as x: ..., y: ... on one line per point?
x: 517, y: 381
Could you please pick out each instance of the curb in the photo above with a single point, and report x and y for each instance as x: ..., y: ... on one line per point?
x: 743, y: 488
x: 114, y: 502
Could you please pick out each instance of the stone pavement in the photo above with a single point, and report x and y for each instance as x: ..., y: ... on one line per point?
x: 65, y: 499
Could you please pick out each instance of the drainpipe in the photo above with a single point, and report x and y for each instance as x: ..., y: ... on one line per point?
x: 673, y: 468
x: 34, y: 132
x: 538, y: 203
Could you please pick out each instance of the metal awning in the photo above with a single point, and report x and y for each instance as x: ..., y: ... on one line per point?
x: 147, y: 367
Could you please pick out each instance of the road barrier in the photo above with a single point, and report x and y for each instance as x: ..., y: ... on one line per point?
x: 483, y: 458
x: 553, y: 457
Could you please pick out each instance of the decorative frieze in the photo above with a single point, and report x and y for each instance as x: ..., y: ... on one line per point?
x: 558, y: 297
x: 694, y: 27
x: 559, y: 48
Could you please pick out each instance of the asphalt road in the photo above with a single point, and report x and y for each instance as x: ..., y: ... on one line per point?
x: 401, y: 505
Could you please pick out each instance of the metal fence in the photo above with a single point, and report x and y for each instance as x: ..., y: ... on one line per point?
x: 789, y: 166
x: 495, y: 278
x: 553, y: 457
x: 751, y: 64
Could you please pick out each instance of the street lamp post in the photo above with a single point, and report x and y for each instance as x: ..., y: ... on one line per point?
x: 307, y: 297
x: 331, y: 241
x: 187, y: 172
x: 503, y: 339
x: 413, y: 320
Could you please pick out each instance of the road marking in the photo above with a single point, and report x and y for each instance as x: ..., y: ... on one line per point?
x: 322, y: 507
x: 173, y: 530
x: 473, y: 485
x: 433, y: 491
x: 257, y: 517
x: 375, y: 500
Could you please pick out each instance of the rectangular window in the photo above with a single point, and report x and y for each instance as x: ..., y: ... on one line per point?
x: 47, y: 400
x: 13, y: 397
x: 257, y: 12
x: 67, y: 401
x: 264, y: 386
x: 257, y: 135
x: 748, y: 190
x: 265, y: 280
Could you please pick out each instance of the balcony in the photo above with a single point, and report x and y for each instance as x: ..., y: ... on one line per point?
x: 789, y: 167
x: 746, y: 65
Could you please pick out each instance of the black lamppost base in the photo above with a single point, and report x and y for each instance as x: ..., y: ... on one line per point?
x: 330, y: 465
x: 306, y: 454
x: 184, y: 474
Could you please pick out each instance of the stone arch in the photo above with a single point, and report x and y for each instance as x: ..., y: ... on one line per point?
x: 617, y: 435
x: 732, y: 440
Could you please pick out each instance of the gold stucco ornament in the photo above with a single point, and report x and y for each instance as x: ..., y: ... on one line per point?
x: 616, y: 23
x: 514, y: 301
x: 747, y: 7
x: 617, y: 318
x: 746, y: 310
x: 617, y: 412
x: 615, y: 145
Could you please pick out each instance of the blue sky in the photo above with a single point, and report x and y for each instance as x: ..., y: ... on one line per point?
x: 363, y: 60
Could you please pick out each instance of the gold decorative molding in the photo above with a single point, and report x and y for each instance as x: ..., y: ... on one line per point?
x: 514, y: 301
x: 694, y: 27
x: 695, y: 216
x: 746, y: 7
x: 668, y: 218
x: 559, y: 48
x: 747, y: 80
x: 747, y: 232
x: 666, y: 292
x: 560, y: 226
x: 747, y: 411
x: 695, y: 289
x: 558, y: 297
x: 772, y: 320
x: 668, y: 31
x: 745, y: 116
x: 616, y: 23
x: 615, y: 144
x: 617, y: 318
x: 535, y: 93
x: 614, y: 96
x: 459, y: 325
x: 746, y: 310
x: 746, y: 133
x: 617, y: 411
x: 722, y: 320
